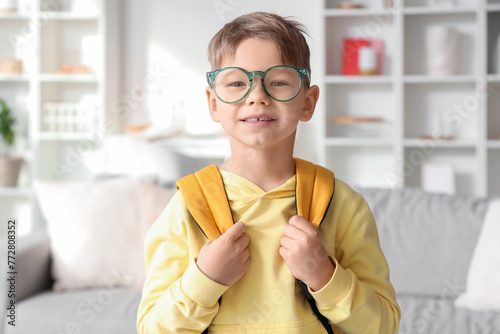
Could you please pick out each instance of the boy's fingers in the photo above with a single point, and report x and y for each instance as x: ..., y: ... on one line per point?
x: 301, y: 223
x: 292, y: 232
x: 287, y: 243
x: 244, y: 239
x: 235, y: 231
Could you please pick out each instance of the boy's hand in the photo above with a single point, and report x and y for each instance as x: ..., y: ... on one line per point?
x: 304, y: 253
x: 227, y: 258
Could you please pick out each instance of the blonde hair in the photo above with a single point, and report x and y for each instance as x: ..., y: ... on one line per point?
x: 286, y: 34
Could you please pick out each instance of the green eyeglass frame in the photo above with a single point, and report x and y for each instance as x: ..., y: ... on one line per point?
x: 301, y: 71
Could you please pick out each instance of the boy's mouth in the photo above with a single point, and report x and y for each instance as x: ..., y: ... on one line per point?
x: 258, y: 118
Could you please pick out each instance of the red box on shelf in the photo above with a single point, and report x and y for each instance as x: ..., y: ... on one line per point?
x: 350, y: 54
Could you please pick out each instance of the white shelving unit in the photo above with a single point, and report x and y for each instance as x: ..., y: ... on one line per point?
x: 390, y: 153
x: 51, y: 36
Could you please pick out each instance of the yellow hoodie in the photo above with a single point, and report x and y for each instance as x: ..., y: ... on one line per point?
x: 178, y: 298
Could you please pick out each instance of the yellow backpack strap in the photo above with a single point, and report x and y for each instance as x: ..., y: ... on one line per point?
x: 206, y: 199
x: 314, y: 190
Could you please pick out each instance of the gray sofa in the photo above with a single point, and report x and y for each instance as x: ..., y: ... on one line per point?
x: 428, y: 240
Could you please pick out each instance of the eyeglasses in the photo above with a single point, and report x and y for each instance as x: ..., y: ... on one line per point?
x: 233, y: 84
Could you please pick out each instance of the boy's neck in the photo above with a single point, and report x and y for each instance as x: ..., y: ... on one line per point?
x: 268, y: 168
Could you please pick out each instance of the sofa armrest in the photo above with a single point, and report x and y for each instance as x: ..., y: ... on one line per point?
x: 33, y: 265
x: 32, y: 260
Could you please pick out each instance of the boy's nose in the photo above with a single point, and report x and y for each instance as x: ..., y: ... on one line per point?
x: 257, y: 93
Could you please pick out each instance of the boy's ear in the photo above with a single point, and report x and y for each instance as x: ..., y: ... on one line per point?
x: 212, y: 104
x: 312, y: 96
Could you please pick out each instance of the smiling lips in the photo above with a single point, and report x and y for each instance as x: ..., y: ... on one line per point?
x: 258, y: 119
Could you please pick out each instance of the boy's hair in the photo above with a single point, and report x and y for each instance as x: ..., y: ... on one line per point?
x: 286, y: 34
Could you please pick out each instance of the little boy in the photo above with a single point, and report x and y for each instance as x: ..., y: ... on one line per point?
x: 246, y: 280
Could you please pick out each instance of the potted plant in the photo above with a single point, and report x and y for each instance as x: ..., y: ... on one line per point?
x: 9, y: 165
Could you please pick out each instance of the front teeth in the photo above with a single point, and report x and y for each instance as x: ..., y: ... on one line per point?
x: 257, y: 119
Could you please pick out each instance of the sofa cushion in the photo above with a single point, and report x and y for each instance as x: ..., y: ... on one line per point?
x: 97, y: 230
x: 94, y: 311
x: 483, y: 290
x: 437, y: 315
x: 428, y: 239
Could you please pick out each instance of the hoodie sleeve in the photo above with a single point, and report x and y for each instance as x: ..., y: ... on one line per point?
x: 177, y: 297
x: 359, y: 297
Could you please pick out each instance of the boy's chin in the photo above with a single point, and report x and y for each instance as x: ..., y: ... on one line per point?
x: 264, y: 140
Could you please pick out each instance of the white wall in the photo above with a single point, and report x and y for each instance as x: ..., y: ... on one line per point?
x: 165, y: 59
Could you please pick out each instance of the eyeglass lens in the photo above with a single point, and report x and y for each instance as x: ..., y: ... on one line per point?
x: 281, y: 83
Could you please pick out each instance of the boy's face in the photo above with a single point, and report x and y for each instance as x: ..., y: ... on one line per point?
x: 278, y: 120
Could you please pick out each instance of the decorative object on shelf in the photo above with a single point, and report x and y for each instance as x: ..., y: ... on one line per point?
x: 388, y: 3
x: 442, y: 137
x: 357, y: 119
x: 351, y: 54
x: 8, y: 6
x: 441, y: 129
x: 82, y: 59
x: 10, y: 165
x: 378, y: 45
x: 438, y: 177
x: 11, y: 65
x: 69, y: 118
x: 442, y: 50
x: 349, y: 5
x: 359, y: 126
x: 367, y: 61
x: 74, y: 69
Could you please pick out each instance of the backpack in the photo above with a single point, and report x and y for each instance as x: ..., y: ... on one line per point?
x: 206, y: 199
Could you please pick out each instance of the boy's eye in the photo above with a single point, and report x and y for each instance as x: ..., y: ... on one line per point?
x: 237, y: 84
x: 278, y: 84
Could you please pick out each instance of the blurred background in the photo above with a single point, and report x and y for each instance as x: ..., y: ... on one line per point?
x: 103, y: 108
x: 410, y: 92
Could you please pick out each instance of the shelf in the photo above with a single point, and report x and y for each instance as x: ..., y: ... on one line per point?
x: 439, y: 79
x: 15, y: 192
x: 347, y: 141
x: 78, y: 37
x: 54, y: 15
x: 356, y: 12
x: 67, y: 136
x: 49, y: 77
x: 494, y: 143
x: 410, y: 100
x: 50, y: 15
x: 14, y: 78
x: 14, y: 16
x: 358, y: 79
x: 493, y: 7
x: 440, y: 11
x: 460, y: 144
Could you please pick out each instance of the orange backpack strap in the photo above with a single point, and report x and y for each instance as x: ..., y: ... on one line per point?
x: 205, y: 196
x: 314, y: 190
x: 206, y: 199
x: 313, y: 194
